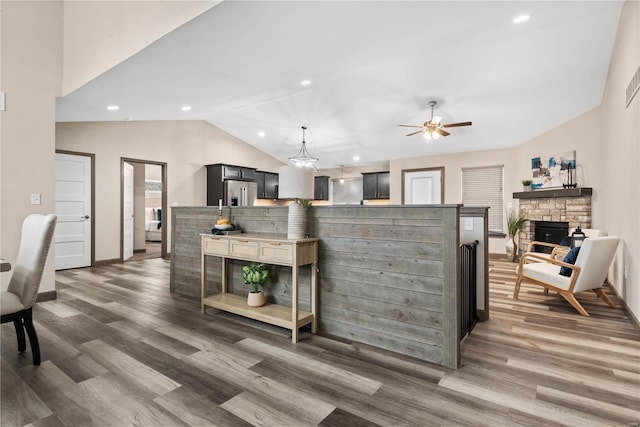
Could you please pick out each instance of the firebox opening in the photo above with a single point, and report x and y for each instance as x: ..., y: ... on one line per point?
x: 549, y: 232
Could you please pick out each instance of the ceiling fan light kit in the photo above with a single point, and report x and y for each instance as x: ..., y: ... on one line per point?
x: 303, y: 158
x: 432, y: 129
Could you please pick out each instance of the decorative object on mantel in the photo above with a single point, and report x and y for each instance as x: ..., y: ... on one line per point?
x: 569, y: 183
x: 254, y: 275
x: 515, y: 221
x: 303, y: 158
x: 552, y: 171
x: 296, y: 183
x: 526, y: 184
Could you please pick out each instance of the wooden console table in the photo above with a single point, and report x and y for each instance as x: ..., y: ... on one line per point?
x: 268, y: 249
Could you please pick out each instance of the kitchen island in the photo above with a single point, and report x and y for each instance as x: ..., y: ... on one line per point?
x: 388, y: 275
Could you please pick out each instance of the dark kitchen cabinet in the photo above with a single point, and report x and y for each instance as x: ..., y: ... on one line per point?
x: 267, y: 185
x: 218, y: 173
x: 321, y: 188
x: 375, y: 185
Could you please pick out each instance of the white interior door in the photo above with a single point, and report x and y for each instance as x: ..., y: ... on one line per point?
x: 423, y: 187
x: 73, y: 208
x: 127, y: 212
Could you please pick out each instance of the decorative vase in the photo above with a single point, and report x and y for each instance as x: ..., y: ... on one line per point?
x: 510, y: 248
x: 256, y: 299
x: 296, y: 224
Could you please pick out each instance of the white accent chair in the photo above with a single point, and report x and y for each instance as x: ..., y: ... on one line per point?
x: 16, y: 303
x: 588, y: 273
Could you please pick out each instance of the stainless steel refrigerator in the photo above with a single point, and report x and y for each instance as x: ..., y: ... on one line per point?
x: 240, y: 193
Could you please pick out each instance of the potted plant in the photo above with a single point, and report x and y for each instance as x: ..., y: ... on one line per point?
x: 526, y: 184
x: 254, y: 275
x: 515, y: 221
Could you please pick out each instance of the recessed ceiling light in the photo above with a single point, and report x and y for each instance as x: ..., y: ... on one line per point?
x: 261, y: 134
x: 356, y: 158
x: 521, y: 18
x: 305, y: 82
x: 186, y: 108
x: 113, y: 107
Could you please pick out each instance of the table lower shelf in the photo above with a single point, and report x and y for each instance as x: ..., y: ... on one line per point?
x: 269, y: 313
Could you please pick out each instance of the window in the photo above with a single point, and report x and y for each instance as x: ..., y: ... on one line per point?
x: 483, y: 187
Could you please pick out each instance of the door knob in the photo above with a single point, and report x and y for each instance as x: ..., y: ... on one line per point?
x: 85, y: 217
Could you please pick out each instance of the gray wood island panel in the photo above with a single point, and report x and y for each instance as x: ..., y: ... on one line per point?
x: 388, y: 275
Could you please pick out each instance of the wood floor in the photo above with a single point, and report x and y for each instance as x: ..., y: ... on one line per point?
x: 119, y: 350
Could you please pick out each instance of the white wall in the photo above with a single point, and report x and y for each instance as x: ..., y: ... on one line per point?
x: 31, y: 76
x: 620, y: 158
x: 186, y: 146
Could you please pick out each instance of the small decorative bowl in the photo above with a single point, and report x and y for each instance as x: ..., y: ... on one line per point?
x: 223, y: 226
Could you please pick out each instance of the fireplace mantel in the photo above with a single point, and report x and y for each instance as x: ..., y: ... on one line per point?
x: 556, y: 192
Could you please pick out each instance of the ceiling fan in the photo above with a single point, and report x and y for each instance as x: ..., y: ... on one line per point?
x: 433, y: 129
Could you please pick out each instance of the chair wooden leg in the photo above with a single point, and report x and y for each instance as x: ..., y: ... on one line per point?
x: 22, y: 344
x: 33, y: 338
x: 574, y: 302
x: 516, y: 289
x: 602, y: 294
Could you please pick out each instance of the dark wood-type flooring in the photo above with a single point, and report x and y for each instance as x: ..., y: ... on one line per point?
x: 119, y: 350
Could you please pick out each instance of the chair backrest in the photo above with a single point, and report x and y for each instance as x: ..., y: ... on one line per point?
x: 594, y: 259
x: 37, y: 233
x: 590, y: 232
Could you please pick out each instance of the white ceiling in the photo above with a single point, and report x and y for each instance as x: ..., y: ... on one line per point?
x: 373, y: 65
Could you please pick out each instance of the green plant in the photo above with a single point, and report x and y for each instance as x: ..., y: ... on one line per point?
x: 255, y: 274
x: 304, y: 202
x: 527, y: 182
x: 515, y: 220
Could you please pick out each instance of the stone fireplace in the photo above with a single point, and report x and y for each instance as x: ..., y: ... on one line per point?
x: 572, y: 206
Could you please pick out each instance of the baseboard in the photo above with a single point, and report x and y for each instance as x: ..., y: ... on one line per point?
x: 139, y: 251
x: 46, y: 296
x: 625, y: 307
x: 483, y: 315
x: 105, y: 262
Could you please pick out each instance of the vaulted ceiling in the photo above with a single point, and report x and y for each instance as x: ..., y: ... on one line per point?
x: 372, y: 66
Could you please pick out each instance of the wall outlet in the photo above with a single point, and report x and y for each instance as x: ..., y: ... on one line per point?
x: 468, y: 224
x: 35, y: 199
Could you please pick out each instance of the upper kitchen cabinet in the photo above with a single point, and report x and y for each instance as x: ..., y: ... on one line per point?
x: 375, y: 185
x: 267, y: 185
x: 218, y: 175
x: 321, y: 188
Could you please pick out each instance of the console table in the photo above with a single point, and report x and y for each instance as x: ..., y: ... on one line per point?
x: 268, y: 249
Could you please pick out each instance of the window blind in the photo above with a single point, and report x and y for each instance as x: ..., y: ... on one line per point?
x: 483, y: 187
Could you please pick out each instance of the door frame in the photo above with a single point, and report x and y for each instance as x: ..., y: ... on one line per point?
x: 92, y: 156
x: 438, y: 168
x: 163, y: 175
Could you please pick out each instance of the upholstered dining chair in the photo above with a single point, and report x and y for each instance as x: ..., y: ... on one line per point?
x: 587, y: 274
x: 16, y: 303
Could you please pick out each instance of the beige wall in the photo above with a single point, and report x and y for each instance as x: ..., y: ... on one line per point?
x: 186, y: 146
x: 31, y: 47
x: 100, y: 34
x: 620, y: 157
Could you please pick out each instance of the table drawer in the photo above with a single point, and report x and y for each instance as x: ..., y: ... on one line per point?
x: 276, y: 253
x: 243, y: 249
x: 215, y: 246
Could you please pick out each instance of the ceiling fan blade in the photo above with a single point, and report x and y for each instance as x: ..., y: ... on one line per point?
x: 414, y: 133
x: 410, y: 126
x: 455, y: 125
x: 442, y: 132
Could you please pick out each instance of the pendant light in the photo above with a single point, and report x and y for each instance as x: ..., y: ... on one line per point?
x: 303, y: 158
x: 342, y: 174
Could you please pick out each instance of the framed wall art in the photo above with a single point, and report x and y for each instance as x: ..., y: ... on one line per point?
x: 554, y: 170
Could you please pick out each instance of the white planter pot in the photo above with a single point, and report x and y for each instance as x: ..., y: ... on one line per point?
x: 256, y: 299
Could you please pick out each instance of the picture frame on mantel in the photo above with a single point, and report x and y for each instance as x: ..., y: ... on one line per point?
x: 552, y: 171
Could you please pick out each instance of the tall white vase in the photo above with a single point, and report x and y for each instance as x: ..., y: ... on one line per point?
x: 296, y: 226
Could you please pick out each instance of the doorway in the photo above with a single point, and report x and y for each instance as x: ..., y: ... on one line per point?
x: 143, y: 210
x: 423, y: 186
x: 75, y: 209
